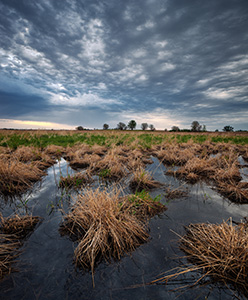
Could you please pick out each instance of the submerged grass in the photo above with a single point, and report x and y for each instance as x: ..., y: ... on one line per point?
x: 75, y: 181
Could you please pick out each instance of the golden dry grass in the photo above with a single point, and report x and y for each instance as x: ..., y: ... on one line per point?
x: 219, y: 251
x: 19, y: 226
x: 27, y: 154
x: 54, y: 151
x: 12, y: 231
x: 103, y: 228
x: 236, y: 192
x: 174, y: 154
x: 17, y: 177
x: 113, y: 162
x: 142, y: 205
x: 8, y: 253
x: 142, y: 179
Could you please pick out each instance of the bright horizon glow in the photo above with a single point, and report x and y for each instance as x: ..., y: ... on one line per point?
x: 26, y: 124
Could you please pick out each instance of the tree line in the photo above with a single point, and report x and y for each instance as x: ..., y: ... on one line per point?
x: 195, y: 127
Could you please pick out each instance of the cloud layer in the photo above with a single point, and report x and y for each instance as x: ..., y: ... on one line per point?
x: 93, y: 62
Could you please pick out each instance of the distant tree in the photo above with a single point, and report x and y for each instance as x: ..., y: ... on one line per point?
x: 152, y: 128
x: 144, y: 126
x: 80, y: 128
x: 204, y: 128
x: 228, y: 128
x: 165, y: 129
x: 216, y: 130
x: 195, y: 126
x: 175, y: 128
x: 132, y: 124
x: 105, y: 126
x: 121, y: 126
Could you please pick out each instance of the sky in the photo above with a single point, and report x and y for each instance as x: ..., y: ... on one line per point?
x: 68, y: 63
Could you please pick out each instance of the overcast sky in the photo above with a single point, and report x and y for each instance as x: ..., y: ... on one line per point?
x: 65, y: 63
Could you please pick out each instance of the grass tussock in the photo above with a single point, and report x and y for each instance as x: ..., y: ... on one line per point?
x: 142, y: 205
x: 104, y: 229
x: 19, y: 226
x: 85, y: 161
x: 219, y: 251
x: 115, y: 164
x: 12, y: 231
x: 17, y: 177
x: 54, y: 151
x: 196, y: 169
x: 75, y: 181
x: 142, y: 179
x: 174, y: 154
x: 27, y: 154
x: 236, y: 192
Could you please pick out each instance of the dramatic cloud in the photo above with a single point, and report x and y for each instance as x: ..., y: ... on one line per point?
x: 92, y: 62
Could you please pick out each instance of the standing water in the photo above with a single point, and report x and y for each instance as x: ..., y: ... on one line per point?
x: 46, y: 268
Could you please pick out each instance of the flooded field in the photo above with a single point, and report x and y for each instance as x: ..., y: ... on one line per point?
x: 45, y: 267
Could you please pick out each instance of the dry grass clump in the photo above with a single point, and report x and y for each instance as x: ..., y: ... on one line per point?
x: 103, y: 228
x: 99, y: 150
x: 142, y: 205
x: 12, y: 230
x: 174, y: 154
x: 19, y: 226
x: 219, y: 251
x: 142, y: 179
x: 75, y: 181
x: 17, y: 177
x: 196, y: 169
x: 236, y: 192
x: 45, y: 162
x: 84, y: 161
x: 115, y: 165
x: 32, y: 155
x: 77, y: 152
x: 27, y: 154
x: 245, y: 153
x: 54, y: 151
x: 8, y: 253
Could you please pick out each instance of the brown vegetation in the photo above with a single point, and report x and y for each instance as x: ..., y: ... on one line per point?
x: 12, y: 231
x: 219, y: 251
x: 142, y: 179
x: 75, y: 181
x: 17, y: 177
x: 106, y: 225
x: 104, y: 230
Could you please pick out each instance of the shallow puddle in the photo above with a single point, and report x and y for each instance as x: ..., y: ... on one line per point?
x: 46, y: 268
